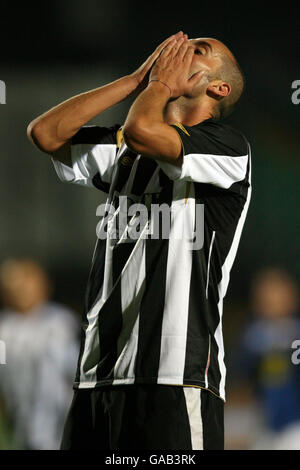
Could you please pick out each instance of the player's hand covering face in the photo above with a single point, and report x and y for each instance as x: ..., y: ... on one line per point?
x: 142, y: 73
x: 173, y: 67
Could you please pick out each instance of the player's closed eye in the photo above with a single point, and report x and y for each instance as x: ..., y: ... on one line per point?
x: 198, y: 52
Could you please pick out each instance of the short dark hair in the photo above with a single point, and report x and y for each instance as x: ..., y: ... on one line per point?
x: 230, y: 72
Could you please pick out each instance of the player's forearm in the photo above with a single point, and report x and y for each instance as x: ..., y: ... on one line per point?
x: 146, y: 115
x: 148, y: 109
x: 55, y: 127
x: 147, y: 132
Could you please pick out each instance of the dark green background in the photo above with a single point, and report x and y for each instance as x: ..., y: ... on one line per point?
x: 53, y: 50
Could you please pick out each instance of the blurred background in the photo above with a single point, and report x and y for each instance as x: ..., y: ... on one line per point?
x: 53, y: 50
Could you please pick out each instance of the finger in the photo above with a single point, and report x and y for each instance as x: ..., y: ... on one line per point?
x: 162, y: 46
x: 188, y: 55
x: 166, y: 41
x: 167, y: 50
x: 177, y: 46
x: 183, y: 49
x: 158, y: 50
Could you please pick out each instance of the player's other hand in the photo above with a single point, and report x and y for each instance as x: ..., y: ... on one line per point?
x: 142, y: 73
x: 173, y: 67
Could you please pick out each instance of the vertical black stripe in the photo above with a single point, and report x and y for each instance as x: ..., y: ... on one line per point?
x: 109, y: 327
x: 121, y: 254
x: 96, y: 276
x: 153, y: 301
x: 145, y: 169
x: 94, y: 284
x: 152, y: 308
x: 99, y: 184
x: 199, y: 316
x: 123, y: 169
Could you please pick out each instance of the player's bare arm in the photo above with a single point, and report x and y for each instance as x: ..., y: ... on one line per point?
x: 145, y: 130
x: 51, y: 132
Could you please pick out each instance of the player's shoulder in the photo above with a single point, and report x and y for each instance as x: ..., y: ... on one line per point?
x: 223, y: 138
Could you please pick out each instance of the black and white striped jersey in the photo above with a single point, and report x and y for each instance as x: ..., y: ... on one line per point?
x: 153, y: 310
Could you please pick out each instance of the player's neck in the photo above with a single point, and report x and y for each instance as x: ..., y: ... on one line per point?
x: 187, y: 111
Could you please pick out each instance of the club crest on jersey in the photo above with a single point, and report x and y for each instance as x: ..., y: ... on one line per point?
x: 127, y: 161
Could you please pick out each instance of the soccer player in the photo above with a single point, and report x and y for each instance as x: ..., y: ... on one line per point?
x: 151, y: 371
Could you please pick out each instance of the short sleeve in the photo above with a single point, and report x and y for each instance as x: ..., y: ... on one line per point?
x: 93, y: 153
x: 213, y: 153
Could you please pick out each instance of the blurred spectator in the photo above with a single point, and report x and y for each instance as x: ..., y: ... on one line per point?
x: 243, y: 418
x: 41, y: 339
x: 263, y: 357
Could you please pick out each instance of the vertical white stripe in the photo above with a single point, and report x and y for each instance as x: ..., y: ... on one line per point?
x: 193, y: 406
x: 177, y: 291
x: 132, y: 290
x: 208, y: 264
x: 90, y: 357
x: 222, y: 287
x: 219, y: 340
x: 207, y: 362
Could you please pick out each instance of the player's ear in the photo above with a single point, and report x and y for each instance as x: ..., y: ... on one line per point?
x: 218, y: 89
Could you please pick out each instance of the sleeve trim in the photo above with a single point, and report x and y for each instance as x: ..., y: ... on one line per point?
x: 181, y: 126
x: 178, y: 133
x: 64, y: 172
x: 119, y: 137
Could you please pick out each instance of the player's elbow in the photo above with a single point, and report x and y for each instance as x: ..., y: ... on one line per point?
x: 38, y: 134
x: 33, y: 131
x: 136, y: 134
